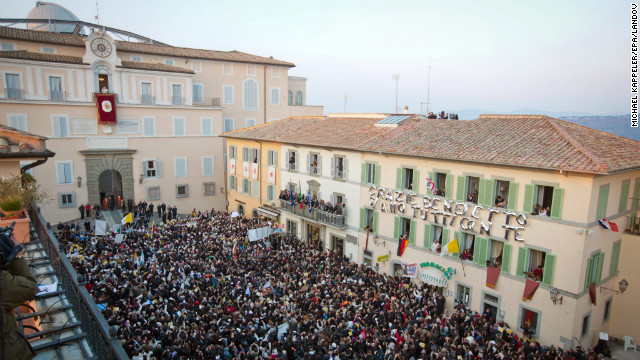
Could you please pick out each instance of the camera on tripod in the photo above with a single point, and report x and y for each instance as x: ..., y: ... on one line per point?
x: 8, y: 249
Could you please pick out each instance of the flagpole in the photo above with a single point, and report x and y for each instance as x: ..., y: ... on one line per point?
x: 463, y: 271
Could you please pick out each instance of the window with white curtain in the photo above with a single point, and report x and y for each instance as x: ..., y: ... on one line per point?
x: 64, y: 172
x: 55, y: 88
x: 176, y: 94
x: 180, y: 167
x: 60, y: 126
x: 146, y: 96
x: 206, y: 126
x: 18, y: 121
x: 148, y: 126
x: 14, y: 88
x: 207, y: 166
x: 250, y: 95
x: 227, y: 94
x: 179, y: 127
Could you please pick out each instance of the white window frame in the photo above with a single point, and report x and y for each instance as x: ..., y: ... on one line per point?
x: 226, y: 100
x: 201, y: 99
x: 169, y: 62
x: 248, y: 120
x: 175, y: 167
x: 136, y: 58
x: 248, y: 182
x: 176, y: 121
x: 272, y: 189
x: 70, y: 162
x: 202, y: 160
x: 22, y: 119
x: 182, y: 100
x: 224, y: 124
x: 143, y: 94
x: 251, y: 70
x: 202, y: 122
x: 275, y: 72
x: 244, y: 97
x: 276, y: 100
x: 149, y: 118
x: 7, y: 46
x: 72, y: 203
x: 62, y: 79
x: 53, y: 121
x: 48, y: 50
x: 227, y: 69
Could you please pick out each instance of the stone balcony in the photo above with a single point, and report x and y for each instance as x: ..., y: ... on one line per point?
x: 333, y: 220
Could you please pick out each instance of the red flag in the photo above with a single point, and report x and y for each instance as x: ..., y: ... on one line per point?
x: 530, y: 288
x: 492, y: 276
x: 592, y: 293
x: 106, y: 104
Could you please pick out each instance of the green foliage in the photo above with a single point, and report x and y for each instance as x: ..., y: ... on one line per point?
x: 14, y: 193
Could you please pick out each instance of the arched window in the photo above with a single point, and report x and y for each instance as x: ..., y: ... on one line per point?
x: 250, y: 95
x: 299, y: 98
x: 102, y: 77
x: 290, y: 97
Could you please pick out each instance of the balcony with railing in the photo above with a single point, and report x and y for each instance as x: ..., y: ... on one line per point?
x: 177, y: 100
x: 307, y: 212
x: 206, y: 101
x: 147, y: 99
x: 57, y: 95
x: 14, y: 93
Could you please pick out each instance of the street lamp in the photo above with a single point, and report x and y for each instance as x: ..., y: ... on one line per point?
x: 555, y: 296
x: 622, y: 285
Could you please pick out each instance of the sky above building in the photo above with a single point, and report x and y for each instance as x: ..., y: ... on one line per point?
x: 552, y: 56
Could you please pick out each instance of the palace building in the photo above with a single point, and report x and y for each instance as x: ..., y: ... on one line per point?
x: 136, y: 118
x: 503, y: 212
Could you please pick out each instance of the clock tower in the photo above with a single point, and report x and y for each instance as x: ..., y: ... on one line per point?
x: 101, y: 54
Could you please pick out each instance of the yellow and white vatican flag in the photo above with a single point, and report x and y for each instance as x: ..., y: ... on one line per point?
x: 127, y: 219
x: 450, y: 248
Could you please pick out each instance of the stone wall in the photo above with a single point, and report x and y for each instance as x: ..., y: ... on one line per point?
x: 98, y: 161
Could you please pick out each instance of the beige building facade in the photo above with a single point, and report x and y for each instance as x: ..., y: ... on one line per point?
x: 171, y: 106
x: 520, y: 265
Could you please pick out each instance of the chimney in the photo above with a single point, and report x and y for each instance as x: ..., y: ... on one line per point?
x: 406, y: 109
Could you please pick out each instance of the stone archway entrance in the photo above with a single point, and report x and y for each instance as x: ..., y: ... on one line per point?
x: 109, y: 171
x: 110, y: 182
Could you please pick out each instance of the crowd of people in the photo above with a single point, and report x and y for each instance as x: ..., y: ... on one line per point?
x: 311, y: 201
x: 194, y: 287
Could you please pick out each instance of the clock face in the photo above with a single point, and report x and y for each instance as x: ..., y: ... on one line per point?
x: 101, y: 47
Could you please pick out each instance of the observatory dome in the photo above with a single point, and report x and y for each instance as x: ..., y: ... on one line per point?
x: 48, y: 10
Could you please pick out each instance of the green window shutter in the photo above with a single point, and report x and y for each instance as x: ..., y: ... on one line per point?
x: 432, y: 176
x: 549, y: 268
x: 457, y: 235
x: 158, y: 168
x: 363, y: 217
x: 412, y: 233
x: 485, y: 196
x: 396, y: 228
x: 513, y: 196
x: 481, y: 192
x: 602, y: 202
x: 377, y: 179
x: 624, y: 196
x: 600, y: 263
x: 636, y: 195
x: 587, y: 278
x: 256, y: 188
x: 484, y: 248
x: 445, y: 237
x: 427, y: 236
x: 528, y: 198
x: 556, y: 203
x: 522, y: 261
x: 462, y: 189
x: 449, y: 186
x: 416, y: 181
x: 615, y: 256
x: 490, y: 191
x: 374, y: 224
x: 399, y: 178
x: 363, y: 174
x: 144, y: 168
x: 506, y: 258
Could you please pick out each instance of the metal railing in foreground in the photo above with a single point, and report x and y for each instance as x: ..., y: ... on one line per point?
x: 103, y: 345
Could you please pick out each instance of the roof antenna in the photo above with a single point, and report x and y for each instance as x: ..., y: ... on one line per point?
x: 428, y: 85
x: 395, y: 78
x: 97, y: 12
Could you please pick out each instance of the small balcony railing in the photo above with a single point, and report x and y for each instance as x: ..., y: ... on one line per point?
x: 206, y: 101
x: 177, y: 100
x: 57, y: 95
x: 14, y: 93
x: 147, y: 99
x: 339, y: 221
x: 633, y: 225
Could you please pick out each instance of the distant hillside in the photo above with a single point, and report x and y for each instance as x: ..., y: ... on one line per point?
x: 618, y: 125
